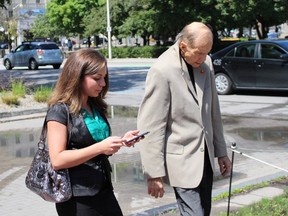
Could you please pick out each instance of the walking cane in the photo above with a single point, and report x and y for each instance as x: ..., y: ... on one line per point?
x: 233, y: 146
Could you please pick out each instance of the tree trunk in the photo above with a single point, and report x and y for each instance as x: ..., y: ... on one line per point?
x: 260, y: 27
x: 144, y: 40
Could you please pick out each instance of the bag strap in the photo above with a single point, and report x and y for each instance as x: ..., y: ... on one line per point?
x: 43, y: 135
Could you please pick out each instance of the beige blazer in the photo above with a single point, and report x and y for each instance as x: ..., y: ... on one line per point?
x: 179, y: 121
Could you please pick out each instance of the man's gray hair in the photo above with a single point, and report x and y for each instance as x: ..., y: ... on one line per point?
x: 192, y: 31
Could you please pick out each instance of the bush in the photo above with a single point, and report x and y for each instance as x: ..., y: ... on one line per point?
x: 9, y: 99
x: 18, y: 89
x: 42, y: 94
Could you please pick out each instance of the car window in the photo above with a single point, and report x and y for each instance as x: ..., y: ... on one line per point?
x: 26, y: 47
x: 270, y: 51
x: 48, y: 46
x: 19, y: 48
x: 230, y: 53
x: 245, y: 51
x: 33, y: 46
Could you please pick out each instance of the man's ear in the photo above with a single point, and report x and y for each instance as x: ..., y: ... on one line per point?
x: 183, y: 46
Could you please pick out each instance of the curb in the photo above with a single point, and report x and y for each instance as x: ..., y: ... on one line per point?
x: 22, y: 115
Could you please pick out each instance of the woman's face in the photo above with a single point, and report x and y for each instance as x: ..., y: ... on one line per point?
x: 93, y: 84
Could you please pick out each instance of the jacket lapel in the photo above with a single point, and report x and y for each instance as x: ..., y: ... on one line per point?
x: 199, y: 76
x: 185, y: 75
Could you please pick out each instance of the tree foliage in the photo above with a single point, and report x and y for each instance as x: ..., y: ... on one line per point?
x: 96, y: 21
x: 68, y: 15
x: 252, y: 13
x: 163, y: 18
x: 127, y: 18
x: 4, y: 3
x: 42, y: 28
x: 140, y: 20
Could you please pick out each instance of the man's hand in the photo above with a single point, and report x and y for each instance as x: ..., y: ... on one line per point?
x: 155, y: 187
x: 225, y: 165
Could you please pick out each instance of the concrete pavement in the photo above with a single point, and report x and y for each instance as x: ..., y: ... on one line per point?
x: 16, y: 200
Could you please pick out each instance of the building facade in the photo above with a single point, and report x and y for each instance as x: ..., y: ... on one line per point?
x: 23, y: 12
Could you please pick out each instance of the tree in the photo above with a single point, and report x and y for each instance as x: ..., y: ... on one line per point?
x: 140, y: 20
x: 8, y: 25
x: 127, y: 18
x: 4, y: 2
x: 172, y: 15
x: 42, y: 28
x: 252, y: 13
x: 96, y: 22
x: 163, y: 18
x: 68, y: 15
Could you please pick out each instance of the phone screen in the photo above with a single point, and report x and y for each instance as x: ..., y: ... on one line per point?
x: 138, y: 136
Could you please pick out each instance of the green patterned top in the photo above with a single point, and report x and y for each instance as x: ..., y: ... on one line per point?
x: 96, y: 125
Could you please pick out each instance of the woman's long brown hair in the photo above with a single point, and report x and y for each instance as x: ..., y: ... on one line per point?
x: 68, y: 89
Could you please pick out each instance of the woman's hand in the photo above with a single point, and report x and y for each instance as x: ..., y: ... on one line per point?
x: 129, y: 135
x: 111, y: 145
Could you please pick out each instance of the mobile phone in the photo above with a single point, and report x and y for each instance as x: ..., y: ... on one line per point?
x: 138, y: 136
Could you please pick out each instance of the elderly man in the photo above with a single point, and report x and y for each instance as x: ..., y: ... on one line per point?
x: 181, y: 110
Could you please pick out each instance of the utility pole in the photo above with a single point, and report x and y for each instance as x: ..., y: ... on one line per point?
x: 109, y: 30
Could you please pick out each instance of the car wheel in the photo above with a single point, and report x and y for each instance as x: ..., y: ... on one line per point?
x: 33, y: 65
x: 57, y: 66
x: 7, y: 64
x: 223, y: 84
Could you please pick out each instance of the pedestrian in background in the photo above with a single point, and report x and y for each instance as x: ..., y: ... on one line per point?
x: 63, y: 44
x: 70, y: 45
x: 89, y: 41
x: 82, y: 86
x: 181, y: 110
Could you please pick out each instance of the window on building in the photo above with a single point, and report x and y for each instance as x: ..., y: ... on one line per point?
x: 10, y: 14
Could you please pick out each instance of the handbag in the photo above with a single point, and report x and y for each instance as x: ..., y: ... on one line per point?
x: 52, y: 185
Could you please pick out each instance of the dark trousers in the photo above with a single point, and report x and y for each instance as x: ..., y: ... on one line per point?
x: 197, y: 201
x: 102, y: 204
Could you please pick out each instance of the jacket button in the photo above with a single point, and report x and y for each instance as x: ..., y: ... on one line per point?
x: 202, y: 149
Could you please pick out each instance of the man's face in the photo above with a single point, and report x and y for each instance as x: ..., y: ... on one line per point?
x: 195, y: 55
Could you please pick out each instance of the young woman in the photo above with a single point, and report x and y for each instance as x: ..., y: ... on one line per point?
x: 81, y: 88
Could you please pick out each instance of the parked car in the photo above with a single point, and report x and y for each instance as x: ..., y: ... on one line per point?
x: 257, y: 65
x: 4, y: 46
x: 33, y: 55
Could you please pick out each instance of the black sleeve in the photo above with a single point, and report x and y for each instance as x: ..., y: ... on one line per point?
x: 57, y: 112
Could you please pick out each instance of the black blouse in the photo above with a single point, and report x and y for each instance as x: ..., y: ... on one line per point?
x: 89, y: 178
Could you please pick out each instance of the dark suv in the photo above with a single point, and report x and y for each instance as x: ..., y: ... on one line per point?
x: 34, y: 54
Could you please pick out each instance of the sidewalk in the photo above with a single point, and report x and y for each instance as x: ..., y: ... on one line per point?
x: 13, y: 192
x: 14, y: 196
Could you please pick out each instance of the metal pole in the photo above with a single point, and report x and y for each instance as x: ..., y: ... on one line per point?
x: 112, y: 112
x: 241, y: 153
x: 109, y: 30
x: 233, y: 146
